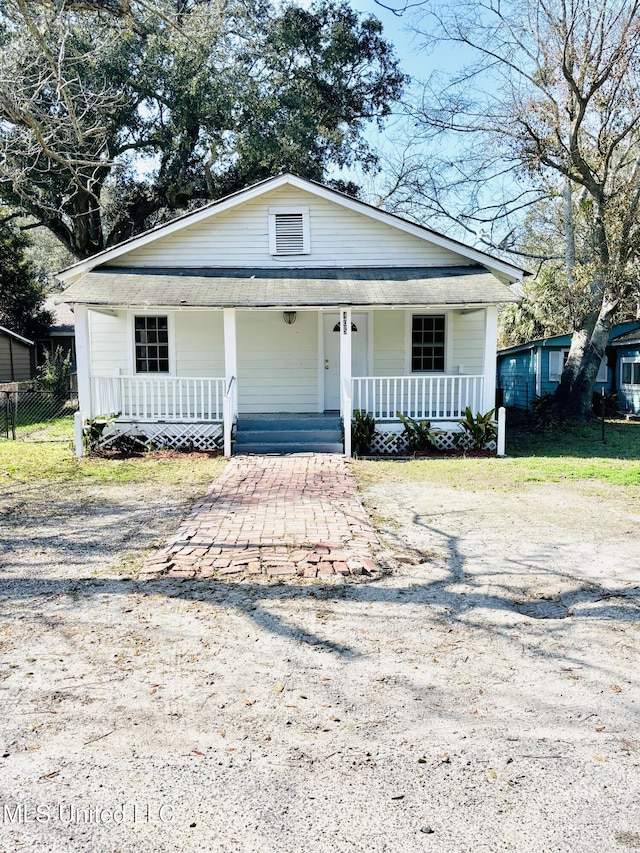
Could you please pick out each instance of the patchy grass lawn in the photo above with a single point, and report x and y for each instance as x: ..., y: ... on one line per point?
x: 575, y: 453
x: 40, y: 462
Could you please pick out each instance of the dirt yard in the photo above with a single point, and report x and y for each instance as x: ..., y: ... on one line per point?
x: 482, y: 696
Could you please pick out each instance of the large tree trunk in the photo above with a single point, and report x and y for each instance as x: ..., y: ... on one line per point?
x: 574, y: 397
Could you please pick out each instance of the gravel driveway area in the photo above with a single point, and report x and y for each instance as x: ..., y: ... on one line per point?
x: 483, y: 695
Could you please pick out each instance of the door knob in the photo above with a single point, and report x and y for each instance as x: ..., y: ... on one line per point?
x: 326, y: 364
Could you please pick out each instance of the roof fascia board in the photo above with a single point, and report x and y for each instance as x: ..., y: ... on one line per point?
x: 215, y: 207
x: 625, y: 341
x: 71, y: 273
x: 103, y: 308
x: 555, y: 341
x: 16, y: 336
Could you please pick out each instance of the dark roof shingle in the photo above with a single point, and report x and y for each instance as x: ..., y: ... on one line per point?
x: 264, y: 288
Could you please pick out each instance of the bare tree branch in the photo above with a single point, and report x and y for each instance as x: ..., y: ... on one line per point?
x: 546, y: 108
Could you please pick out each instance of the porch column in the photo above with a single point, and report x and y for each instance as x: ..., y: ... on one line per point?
x: 345, y: 377
x: 230, y: 408
x: 83, y: 359
x: 490, y: 358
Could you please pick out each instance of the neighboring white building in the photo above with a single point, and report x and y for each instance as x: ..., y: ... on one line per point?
x: 286, y: 297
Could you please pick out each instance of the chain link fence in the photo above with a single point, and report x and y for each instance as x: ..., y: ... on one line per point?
x: 30, y: 414
x: 517, y: 390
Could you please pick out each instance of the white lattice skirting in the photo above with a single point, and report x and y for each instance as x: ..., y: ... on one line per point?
x: 163, y: 436
x: 390, y: 442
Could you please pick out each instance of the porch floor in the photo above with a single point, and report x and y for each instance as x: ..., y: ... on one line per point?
x: 294, y: 515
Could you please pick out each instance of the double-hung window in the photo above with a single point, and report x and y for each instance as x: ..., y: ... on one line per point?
x: 427, y: 342
x: 630, y: 372
x: 152, y: 344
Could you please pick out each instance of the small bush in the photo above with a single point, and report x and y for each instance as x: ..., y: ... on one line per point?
x: 54, y: 375
x: 543, y: 415
x: 419, y: 435
x: 478, y: 430
x: 608, y: 401
x: 92, y: 431
x: 363, y: 430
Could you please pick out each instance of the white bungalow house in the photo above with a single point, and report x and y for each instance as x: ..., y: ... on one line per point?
x: 285, y: 300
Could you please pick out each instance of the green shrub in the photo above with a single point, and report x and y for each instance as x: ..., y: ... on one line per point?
x: 608, y: 402
x: 419, y: 435
x: 93, y: 429
x: 55, y: 374
x: 478, y: 430
x: 363, y: 430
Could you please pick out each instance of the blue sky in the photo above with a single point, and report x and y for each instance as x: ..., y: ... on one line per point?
x: 397, y: 31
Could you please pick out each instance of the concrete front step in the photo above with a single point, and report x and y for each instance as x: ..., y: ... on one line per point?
x: 288, y: 433
x: 291, y: 436
x: 288, y: 422
x: 287, y: 447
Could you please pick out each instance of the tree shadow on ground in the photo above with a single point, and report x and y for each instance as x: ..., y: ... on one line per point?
x: 255, y: 599
x: 459, y: 595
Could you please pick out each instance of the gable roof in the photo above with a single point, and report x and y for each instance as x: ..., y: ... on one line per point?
x: 499, y: 267
x: 552, y: 341
x: 465, y: 286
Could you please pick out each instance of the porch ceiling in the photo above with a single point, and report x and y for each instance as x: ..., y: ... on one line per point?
x: 270, y: 288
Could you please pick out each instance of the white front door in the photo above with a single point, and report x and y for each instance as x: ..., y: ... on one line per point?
x: 359, y: 350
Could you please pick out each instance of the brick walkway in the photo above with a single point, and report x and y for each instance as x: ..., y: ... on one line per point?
x: 273, y: 515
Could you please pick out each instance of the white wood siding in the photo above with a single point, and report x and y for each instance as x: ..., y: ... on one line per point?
x: 338, y: 237
x: 199, y: 343
x: 467, y: 343
x: 109, y: 343
x: 388, y: 343
x: 277, y: 364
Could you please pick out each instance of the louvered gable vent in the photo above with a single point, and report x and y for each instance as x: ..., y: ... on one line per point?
x: 289, y: 232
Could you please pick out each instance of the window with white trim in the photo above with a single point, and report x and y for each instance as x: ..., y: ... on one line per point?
x: 630, y: 371
x: 427, y: 343
x: 558, y: 359
x: 151, y: 336
x: 289, y: 231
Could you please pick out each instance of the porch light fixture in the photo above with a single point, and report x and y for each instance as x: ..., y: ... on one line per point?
x: 289, y: 317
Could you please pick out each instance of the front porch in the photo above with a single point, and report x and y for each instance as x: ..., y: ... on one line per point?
x: 303, y: 362
x: 202, y: 411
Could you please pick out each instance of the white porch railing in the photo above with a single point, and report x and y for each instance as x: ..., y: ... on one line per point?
x: 430, y: 398
x: 164, y: 398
